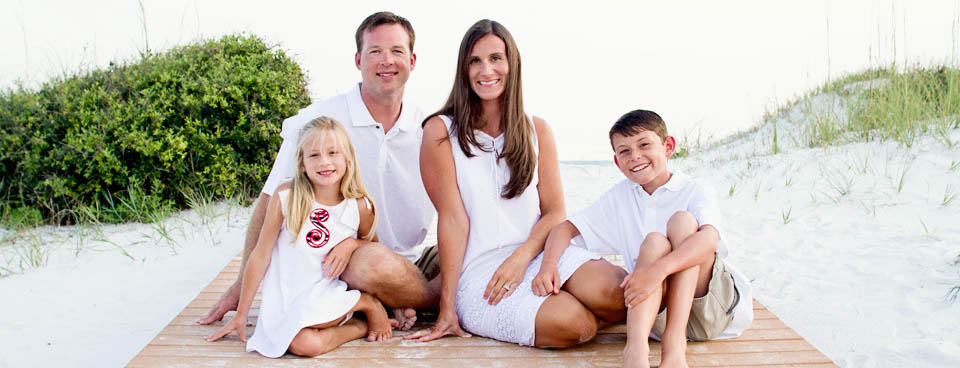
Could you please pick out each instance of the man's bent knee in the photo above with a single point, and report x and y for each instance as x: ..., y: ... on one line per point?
x: 373, y: 266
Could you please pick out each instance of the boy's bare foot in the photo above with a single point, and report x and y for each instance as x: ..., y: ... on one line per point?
x: 406, y: 317
x: 228, y: 302
x: 671, y: 359
x: 636, y: 357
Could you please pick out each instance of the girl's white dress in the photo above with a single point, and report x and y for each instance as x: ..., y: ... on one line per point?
x: 295, y: 292
x: 498, y: 226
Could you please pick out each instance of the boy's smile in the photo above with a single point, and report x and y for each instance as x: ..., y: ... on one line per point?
x: 642, y: 158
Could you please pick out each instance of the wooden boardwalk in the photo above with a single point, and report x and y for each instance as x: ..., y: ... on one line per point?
x: 768, y: 342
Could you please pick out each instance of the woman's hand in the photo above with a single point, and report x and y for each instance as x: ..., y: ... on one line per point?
x: 547, y: 280
x: 506, y: 279
x: 238, y: 324
x: 337, y: 260
x: 447, y: 324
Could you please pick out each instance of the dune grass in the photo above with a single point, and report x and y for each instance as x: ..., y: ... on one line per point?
x: 887, y: 103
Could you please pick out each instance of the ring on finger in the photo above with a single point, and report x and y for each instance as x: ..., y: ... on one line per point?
x: 505, y: 286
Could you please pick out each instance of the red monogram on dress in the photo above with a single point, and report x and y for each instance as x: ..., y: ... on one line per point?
x: 318, y: 237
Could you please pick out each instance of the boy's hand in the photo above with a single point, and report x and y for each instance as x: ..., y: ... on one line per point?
x: 339, y: 257
x: 237, y: 324
x: 547, y: 281
x: 639, y: 285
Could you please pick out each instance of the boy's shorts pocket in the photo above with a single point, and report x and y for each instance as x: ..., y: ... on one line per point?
x: 711, y: 313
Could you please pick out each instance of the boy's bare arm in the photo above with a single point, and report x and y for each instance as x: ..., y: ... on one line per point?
x: 547, y: 280
x: 693, y: 251
x: 558, y: 241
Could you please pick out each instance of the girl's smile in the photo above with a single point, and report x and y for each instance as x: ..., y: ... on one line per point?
x: 323, y: 161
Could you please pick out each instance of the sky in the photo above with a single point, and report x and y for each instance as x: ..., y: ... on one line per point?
x: 710, y: 68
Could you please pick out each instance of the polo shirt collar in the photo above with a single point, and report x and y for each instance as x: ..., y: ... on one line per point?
x: 676, y: 183
x: 361, y: 115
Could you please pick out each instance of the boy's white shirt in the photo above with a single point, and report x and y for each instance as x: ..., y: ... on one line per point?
x: 389, y: 165
x: 621, y: 218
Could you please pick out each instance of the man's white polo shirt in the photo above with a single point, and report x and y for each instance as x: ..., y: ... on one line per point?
x: 620, y: 220
x: 389, y: 164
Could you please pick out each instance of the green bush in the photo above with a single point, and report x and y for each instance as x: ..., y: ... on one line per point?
x: 117, y: 144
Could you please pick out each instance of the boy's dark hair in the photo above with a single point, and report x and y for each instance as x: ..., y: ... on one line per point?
x: 384, y: 18
x: 636, y: 121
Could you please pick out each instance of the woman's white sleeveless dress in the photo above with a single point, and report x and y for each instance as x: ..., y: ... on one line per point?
x: 498, y: 226
x: 295, y: 292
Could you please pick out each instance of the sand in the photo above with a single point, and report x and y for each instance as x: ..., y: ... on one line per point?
x: 855, y: 247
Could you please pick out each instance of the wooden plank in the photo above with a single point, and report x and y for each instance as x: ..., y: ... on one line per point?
x: 468, y: 348
x: 252, y: 360
x: 768, y: 342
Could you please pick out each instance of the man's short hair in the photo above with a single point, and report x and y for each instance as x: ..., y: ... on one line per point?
x: 384, y: 18
x: 636, y: 121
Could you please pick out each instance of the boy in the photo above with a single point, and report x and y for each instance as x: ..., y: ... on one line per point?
x: 666, y: 227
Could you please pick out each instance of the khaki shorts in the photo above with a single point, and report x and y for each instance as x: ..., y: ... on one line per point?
x: 429, y: 262
x: 711, y: 313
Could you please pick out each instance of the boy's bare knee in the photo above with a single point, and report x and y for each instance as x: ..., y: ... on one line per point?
x: 655, y: 237
x: 681, y: 224
x: 657, y: 243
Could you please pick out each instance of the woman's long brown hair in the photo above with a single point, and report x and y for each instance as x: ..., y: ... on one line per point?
x: 464, y: 107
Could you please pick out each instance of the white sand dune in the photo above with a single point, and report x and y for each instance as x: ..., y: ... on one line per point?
x: 853, y: 247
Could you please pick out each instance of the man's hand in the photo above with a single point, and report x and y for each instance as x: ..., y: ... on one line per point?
x: 447, y: 324
x: 228, y: 302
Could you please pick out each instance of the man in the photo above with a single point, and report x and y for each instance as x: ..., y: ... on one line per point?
x: 386, y: 134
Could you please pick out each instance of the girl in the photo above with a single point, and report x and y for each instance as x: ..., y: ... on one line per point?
x: 492, y: 173
x: 305, y: 307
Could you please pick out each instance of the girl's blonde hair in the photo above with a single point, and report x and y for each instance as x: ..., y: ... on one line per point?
x: 301, y: 198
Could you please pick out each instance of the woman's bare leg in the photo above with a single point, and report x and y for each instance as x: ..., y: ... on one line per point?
x: 596, y: 284
x: 563, y: 321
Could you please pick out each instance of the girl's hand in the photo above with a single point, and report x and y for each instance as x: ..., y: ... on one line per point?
x: 237, y: 324
x: 506, y: 279
x: 447, y: 324
x: 337, y: 260
x: 547, y: 280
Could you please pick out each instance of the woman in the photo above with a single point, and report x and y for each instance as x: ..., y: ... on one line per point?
x: 492, y: 174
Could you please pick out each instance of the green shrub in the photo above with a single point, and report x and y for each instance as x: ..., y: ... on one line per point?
x: 119, y: 143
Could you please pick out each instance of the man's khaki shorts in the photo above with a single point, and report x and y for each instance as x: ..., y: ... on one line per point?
x: 429, y: 262
x: 711, y: 313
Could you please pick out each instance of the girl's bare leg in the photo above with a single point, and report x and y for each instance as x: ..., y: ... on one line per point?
x: 380, y: 325
x: 312, y: 342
